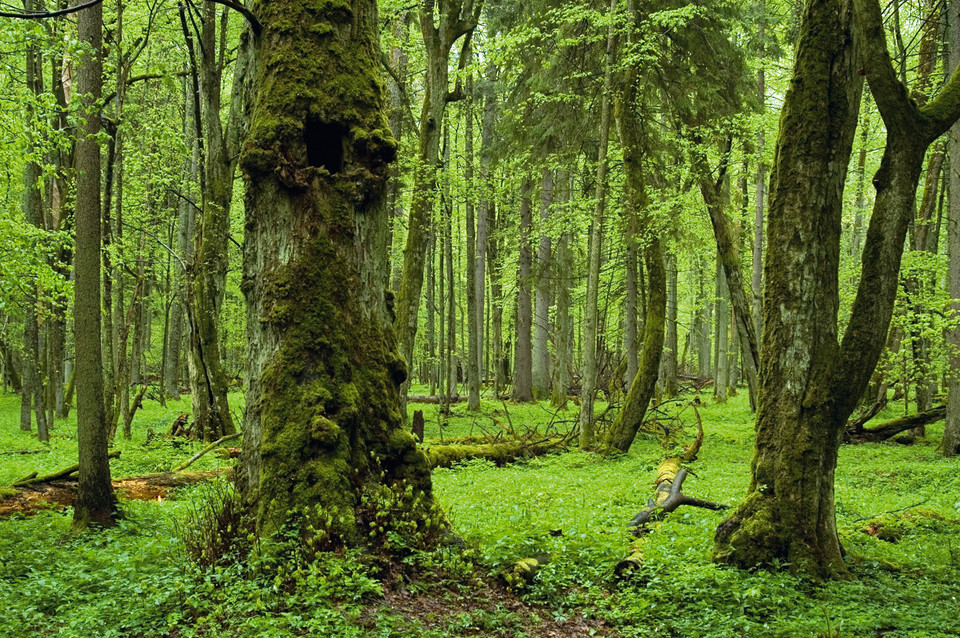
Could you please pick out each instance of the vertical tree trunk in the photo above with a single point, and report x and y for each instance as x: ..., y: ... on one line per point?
x: 206, y: 279
x: 523, y: 365
x: 633, y: 139
x: 457, y: 18
x: 486, y: 208
x: 589, y: 339
x: 668, y: 372
x: 757, y: 277
x: 95, y: 500
x: 723, y: 336
x: 544, y: 294
x: 323, y: 422
x: 951, y: 429
x: 564, y: 271
x: 474, y: 367
x: 630, y: 304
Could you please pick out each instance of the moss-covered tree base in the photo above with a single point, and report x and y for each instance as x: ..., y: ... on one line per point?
x: 324, y: 443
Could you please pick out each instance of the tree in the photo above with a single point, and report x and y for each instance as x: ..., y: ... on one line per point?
x: 95, y: 500
x: 811, y: 381
x: 323, y: 423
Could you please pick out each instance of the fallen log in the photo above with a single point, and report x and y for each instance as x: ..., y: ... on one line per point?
x: 667, y: 497
x: 520, y: 574
x: 855, y: 432
x: 498, y: 453
x: 436, y: 399
x: 212, y: 446
x: 33, y: 498
x: 33, y: 479
x: 25, y: 452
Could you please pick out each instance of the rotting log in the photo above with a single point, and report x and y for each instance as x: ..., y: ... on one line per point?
x: 65, y: 473
x: 668, y: 495
x: 439, y: 400
x: 856, y: 432
x: 498, y: 453
x: 519, y: 575
x: 215, y: 444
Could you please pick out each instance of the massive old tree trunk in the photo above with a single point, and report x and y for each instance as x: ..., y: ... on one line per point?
x: 810, y: 381
x: 323, y: 422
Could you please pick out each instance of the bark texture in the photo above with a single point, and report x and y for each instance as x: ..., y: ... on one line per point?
x: 323, y: 421
x: 95, y: 500
x: 810, y: 382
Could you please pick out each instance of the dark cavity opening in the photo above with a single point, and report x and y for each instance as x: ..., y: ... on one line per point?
x: 325, y: 142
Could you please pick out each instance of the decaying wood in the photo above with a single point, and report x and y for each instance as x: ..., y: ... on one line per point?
x: 434, y: 399
x: 520, y: 574
x: 25, y: 452
x: 180, y: 426
x: 418, y: 425
x: 61, y: 493
x: 499, y: 453
x: 212, y: 446
x: 856, y: 432
x: 668, y: 496
x: 33, y: 479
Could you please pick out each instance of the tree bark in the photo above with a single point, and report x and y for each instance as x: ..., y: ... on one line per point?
x: 590, y: 319
x: 474, y: 366
x: 323, y: 422
x: 811, y: 383
x: 544, y: 295
x: 95, y: 499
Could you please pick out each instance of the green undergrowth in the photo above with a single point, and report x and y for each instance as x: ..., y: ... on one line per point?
x: 898, y: 509
x: 138, y: 455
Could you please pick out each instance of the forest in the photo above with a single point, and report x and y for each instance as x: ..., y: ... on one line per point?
x: 480, y: 318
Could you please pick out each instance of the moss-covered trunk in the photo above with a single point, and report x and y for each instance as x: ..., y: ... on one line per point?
x: 633, y: 140
x: 323, y: 422
x: 442, y: 24
x: 810, y: 382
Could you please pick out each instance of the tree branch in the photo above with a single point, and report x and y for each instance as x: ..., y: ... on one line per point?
x: 39, y: 15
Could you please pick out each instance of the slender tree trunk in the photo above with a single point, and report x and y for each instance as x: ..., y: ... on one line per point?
x: 457, y: 18
x: 564, y: 271
x: 589, y: 340
x: 95, y: 500
x: 206, y: 279
x: 523, y: 359
x: 951, y: 430
x: 721, y: 381
x: 474, y: 367
x: 323, y: 422
x: 630, y: 304
x: 633, y: 141
x: 544, y: 294
x: 668, y: 371
x: 486, y: 209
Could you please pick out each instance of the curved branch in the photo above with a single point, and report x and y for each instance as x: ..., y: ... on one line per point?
x: 245, y: 12
x: 40, y: 15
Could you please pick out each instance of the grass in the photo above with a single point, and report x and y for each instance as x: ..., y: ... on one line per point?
x: 135, y: 580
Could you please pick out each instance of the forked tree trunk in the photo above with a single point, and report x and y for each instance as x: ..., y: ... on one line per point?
x: 323, y: 422
x: 811, y: 383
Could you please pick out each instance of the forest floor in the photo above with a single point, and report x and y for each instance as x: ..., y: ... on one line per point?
x: 898, y: 511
